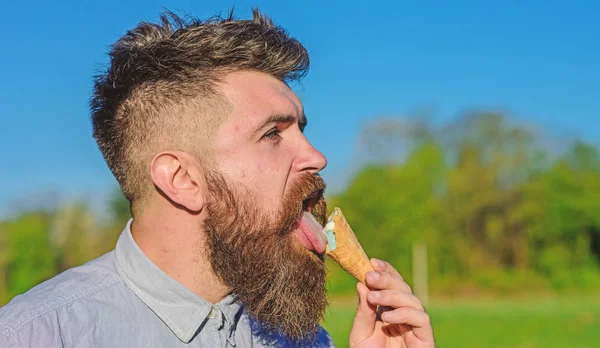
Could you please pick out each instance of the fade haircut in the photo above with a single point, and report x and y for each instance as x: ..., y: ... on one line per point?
x: 159, y: 91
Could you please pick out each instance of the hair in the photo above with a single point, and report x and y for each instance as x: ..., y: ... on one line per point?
x: 159, y: 91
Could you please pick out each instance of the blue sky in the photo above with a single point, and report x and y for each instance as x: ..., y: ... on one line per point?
x: 538, y: 59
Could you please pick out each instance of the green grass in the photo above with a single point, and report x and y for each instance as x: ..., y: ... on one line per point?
x: 555, y: 322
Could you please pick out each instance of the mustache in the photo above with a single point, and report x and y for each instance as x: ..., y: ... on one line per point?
x: 292, y: 206
x: 312, y: 186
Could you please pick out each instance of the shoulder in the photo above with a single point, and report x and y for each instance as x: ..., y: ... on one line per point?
x: 324, y: 338
x: 265, y: 336
x: 74, y: 285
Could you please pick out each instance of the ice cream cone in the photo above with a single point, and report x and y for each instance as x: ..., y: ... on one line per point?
x: 343, y: 246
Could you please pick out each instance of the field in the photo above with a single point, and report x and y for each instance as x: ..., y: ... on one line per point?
x: 572, y: 321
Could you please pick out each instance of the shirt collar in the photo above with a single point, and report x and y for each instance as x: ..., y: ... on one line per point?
x: 184, y: 312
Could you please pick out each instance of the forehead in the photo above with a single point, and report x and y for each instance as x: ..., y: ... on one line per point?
x: 254, y: 96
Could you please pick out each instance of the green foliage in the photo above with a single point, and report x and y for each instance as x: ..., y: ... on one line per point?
x: 338, y: 281
x: 35, y: 246
x: 393, y: 206
x: 119, y: 207
x: 72, y: 231
x: 27, y: 254
x: 494, y: 210
x: 120, y: 214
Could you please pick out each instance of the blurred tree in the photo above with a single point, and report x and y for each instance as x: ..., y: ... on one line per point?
x: 584, y: 157
x: 484, y: 189
x: 119, y: 212
x: 4, y: 297
x: 392, y: 140
x: 119, y: 207
x: 566, y: 198
x: 72, y: 231
x: 27, y: 254
x: 392, y: 205
x: 490, y: 204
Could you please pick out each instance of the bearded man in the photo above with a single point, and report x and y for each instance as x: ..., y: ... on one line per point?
x: 201, y: 130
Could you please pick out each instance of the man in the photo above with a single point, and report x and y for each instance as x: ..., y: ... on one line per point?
x: 197, y: 123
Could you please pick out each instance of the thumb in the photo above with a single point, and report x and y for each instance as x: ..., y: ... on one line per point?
x: 366, y: 316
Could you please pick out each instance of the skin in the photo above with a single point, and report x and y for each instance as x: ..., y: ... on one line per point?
x: 263, y: 159
x: 403, y: 321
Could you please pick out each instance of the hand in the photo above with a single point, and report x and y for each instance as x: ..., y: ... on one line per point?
x: 401, y: 321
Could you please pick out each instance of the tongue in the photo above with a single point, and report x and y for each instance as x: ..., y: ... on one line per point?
x: 313, y: 231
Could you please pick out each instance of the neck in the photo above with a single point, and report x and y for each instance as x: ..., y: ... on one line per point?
x: 173, y: 240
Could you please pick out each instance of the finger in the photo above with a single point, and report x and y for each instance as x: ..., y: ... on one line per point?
x: 380, y: 265
x: 385, y: 281
x: 384, y: 266
x: 365, y: 319
x: 419, y: 320
x: 394, y: 298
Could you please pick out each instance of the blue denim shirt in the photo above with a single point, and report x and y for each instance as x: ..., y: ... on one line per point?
x: 122, y: 299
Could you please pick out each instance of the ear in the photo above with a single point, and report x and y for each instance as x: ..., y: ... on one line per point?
x: 180, y: 177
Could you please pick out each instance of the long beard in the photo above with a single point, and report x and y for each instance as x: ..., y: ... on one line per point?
x: 280, y: 283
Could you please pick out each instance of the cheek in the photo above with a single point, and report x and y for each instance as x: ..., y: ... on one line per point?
x: 263, y: 170
x: 276, y: 160
x: 273, y: 171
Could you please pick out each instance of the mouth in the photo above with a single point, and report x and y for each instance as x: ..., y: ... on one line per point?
x: 311, y: 200
x: 309, y: 230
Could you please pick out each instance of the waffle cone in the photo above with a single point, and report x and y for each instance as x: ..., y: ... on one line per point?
x: 348, y: 252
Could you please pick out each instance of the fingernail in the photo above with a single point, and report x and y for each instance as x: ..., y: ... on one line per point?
x: 380, y: 263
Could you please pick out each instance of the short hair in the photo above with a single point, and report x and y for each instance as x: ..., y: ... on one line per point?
x: 159, y: 92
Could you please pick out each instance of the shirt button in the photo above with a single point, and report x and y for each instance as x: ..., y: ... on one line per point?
x: 213, y: 313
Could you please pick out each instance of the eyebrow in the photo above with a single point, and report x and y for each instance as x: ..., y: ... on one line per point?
x: 281, y: 118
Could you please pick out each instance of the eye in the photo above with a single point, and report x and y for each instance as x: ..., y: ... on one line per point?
x: 273, y: 135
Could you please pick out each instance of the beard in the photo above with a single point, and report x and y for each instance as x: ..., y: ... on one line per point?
x: 280, y: 283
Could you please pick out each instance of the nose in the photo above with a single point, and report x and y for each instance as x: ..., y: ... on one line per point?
x: 310, y: 159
